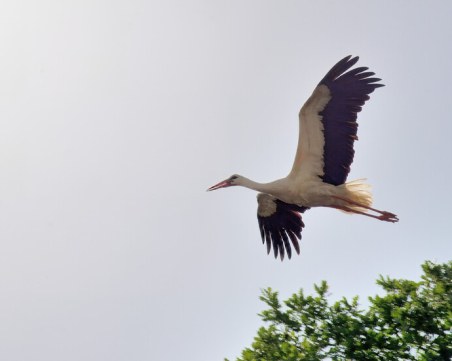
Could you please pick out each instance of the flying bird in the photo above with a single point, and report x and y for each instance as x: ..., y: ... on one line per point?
x: 327, y: 132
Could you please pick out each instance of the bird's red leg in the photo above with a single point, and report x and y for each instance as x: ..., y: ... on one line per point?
x: 384, y: 215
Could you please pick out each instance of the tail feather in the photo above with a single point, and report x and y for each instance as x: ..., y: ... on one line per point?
x: 358, y: 191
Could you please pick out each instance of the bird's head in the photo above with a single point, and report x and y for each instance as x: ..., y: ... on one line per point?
x: 233, y: 180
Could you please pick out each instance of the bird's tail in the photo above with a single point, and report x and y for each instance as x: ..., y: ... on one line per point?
x: 358, y: 191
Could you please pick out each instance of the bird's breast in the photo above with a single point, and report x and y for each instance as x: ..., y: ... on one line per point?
x: 311, y: 192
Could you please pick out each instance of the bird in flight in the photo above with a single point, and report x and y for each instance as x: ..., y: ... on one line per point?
x: 327, y: 131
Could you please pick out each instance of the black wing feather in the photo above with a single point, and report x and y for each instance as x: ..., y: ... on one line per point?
x: 279, y: 221
x: 349, y: 91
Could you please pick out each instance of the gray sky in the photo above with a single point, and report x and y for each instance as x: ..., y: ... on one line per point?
x: 117, y: 115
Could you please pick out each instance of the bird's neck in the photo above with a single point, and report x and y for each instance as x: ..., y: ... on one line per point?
x: 272, y: 188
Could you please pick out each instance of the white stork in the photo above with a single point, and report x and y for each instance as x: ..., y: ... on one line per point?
x: 327, y: 131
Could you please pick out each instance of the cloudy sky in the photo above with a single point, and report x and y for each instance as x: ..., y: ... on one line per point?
x: 116, y: 116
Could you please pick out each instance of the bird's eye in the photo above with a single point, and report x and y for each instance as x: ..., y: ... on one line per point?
x: 233, y: 177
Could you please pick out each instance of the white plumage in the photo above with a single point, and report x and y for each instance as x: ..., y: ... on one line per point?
x: 327, y: 131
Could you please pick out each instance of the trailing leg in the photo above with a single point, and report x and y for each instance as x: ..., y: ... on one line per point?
x: 384, y: 215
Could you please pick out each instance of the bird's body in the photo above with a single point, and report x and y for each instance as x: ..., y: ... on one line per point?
x: 310, y: 192
x: 322, y: 162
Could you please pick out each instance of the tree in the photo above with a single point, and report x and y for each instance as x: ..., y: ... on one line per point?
x: 412, y: 321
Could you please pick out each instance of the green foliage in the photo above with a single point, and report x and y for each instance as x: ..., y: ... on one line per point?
x: 412, y: 321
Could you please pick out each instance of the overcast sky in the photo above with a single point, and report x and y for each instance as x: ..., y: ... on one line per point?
x: 116, y: 116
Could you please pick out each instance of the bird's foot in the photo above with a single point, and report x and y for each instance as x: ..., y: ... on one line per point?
x: 388, y: 217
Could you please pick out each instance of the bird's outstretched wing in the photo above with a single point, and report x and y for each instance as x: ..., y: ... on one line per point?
x: 328, y: 122
x: 279, y: 222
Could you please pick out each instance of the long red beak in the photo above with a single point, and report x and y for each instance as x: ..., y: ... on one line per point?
x: 222, y: 184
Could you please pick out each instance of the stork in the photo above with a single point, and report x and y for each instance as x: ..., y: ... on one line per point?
x: 327, y: 131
